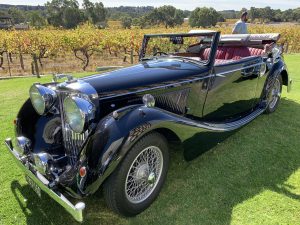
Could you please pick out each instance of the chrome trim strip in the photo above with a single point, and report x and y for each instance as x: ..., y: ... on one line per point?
x: 75, y: 210
x: 181, y: 82
x: 223, y: 126
x: 230, y: 71
x: 158, y: 87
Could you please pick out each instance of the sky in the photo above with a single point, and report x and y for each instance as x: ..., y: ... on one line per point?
x: 182, y: 4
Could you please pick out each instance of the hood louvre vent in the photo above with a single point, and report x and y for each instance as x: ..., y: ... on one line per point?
x: 174, y: 101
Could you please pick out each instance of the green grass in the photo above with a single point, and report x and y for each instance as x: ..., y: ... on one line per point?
x: 252, y: 177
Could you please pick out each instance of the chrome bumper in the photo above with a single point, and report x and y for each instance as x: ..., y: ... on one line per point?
x: 75, y: 210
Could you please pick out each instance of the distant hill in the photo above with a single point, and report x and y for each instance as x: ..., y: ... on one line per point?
x: 22, y: 7
x: 115, y: 13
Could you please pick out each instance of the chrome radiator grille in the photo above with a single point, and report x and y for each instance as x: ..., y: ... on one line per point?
x: 72, y: 141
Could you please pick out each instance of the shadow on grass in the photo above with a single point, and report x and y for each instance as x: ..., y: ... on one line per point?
x: 260, y: 156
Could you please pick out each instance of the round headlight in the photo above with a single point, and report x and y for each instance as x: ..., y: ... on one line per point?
x: 42, y: 98
x: 78, y: 112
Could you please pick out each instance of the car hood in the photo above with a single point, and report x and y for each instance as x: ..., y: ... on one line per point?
x: 150, y: 74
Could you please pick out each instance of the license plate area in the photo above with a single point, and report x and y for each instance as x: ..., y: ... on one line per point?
x: 34, y: 186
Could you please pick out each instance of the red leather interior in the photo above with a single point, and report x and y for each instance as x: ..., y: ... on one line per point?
x: 232, y: 53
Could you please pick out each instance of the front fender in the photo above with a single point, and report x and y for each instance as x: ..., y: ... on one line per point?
x: 114, y: 137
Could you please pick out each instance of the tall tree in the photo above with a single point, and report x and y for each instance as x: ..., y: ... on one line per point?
x: 95, y: 12
x: 204, y: 17
x: 253, y: 13
x: 36, y: 19
x: 65, y: 13
x: 267, y: 14
x: 167, y: 15
x: 17, y: 15
x: 126, y: 22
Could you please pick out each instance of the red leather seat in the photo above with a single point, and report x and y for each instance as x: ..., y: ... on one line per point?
x: 232, y: 53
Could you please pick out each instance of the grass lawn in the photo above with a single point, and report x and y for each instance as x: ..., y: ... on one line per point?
x: 253, y: 177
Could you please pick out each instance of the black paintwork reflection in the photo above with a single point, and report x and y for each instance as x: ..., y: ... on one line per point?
x: 202, y: 142
x: 228, y: 109
x: 231, y: 93
x: 150, y: 74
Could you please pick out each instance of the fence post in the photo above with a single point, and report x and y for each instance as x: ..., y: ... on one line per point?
x: 8, y: 62
x: 131, y: 56
x: 36, y: 66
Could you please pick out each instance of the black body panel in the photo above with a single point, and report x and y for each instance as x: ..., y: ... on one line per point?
x: 146, y: 75
x: 192, y: 99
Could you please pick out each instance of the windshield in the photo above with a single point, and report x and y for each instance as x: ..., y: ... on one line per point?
x: 188, y: 46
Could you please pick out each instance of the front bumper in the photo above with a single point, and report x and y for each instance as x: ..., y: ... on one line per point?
x: 75, y: 210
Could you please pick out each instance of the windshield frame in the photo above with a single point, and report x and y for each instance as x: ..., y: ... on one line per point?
x: 213, y: 34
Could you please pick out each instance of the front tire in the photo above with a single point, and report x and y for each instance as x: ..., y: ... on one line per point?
x: 137, y: 181
x: 274, y: 95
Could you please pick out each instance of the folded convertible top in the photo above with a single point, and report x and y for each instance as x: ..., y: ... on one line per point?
x: 250, y: 37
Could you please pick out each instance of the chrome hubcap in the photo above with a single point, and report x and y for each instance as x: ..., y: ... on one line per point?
x: 274, y: 94
x: 144, y: 174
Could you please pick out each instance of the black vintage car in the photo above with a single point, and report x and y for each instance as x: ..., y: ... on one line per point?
x: 114, y: 129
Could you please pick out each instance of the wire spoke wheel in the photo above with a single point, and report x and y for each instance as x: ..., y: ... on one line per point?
x: 138, y: 180
x: 275, y: 93
x: 144, y: 174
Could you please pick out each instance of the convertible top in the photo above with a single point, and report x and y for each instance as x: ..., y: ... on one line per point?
x: 254, y: 40
x: 250, y: 37
x: 243, y: 37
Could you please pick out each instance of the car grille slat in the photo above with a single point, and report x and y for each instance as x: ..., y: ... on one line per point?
x: 72, y: 141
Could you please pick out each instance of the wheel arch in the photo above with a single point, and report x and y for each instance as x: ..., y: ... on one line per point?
x: 285, y: 77
x: 171, y: 137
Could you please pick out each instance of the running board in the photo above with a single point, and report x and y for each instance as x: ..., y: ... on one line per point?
x: 227, y: 126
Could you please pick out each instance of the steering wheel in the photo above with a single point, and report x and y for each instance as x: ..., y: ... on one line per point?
x: 160, y: 53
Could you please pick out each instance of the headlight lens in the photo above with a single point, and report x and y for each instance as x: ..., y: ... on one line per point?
x: 42, y: 98
x: 78, y: 112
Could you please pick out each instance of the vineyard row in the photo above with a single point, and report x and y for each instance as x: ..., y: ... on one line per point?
x: 85, y: 41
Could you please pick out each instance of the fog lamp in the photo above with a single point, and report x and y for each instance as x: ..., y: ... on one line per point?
x: 23, y: 145
x: 41, y: 161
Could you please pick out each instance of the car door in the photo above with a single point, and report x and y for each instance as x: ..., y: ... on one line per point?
x: 231, y: 91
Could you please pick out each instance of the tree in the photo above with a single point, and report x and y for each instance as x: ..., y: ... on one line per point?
x: 65, y: 13
x: 141, y: 22
x: 254, y: 14
x: 95, y: 12
x: 36, y: 19
x: 126, y: 22
x: 17, y: 15
x: 287, y: 15
x: 296, y: 14
x: 267, y: 14
x: 167, y: 15
x: 277, y: 17
x: 71, y: 17
x: 204, y: 17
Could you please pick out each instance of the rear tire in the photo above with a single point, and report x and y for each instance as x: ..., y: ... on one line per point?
x: 274, y: 95
x: 137, y: 181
